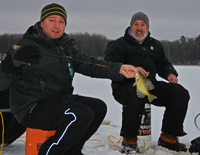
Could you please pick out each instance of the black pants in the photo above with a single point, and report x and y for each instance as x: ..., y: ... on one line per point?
x: 172, y: 96
x: 75, y: 120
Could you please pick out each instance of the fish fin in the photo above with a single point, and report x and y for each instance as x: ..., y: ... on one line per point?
x: 152, y: 97
x: 135, y: 84
x: 140, y: 94
x: 150, y: 85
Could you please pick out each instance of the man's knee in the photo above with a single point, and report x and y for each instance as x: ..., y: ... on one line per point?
x: 100, y: 106
x: 85, y: 114
x: 182, y: 96
x: 183, y: 93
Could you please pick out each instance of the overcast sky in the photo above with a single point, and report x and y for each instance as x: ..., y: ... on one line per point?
x: 169, y: 19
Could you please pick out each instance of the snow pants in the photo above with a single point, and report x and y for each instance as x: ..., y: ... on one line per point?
x: 173, y: 97
x: 75, y: 119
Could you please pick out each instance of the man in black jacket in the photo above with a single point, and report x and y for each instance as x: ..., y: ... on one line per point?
x: 137, y: 48
x: 40, y: 69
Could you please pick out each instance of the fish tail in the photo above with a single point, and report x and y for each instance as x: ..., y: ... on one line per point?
x: 152, y: 97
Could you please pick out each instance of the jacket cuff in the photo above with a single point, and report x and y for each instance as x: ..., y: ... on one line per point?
x: 118, y: 76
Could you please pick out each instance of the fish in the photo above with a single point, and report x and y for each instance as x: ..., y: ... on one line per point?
x: 143, y: 86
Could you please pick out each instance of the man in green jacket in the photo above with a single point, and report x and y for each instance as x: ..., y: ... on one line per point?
x: 39, y: 70
x: 137, y: 48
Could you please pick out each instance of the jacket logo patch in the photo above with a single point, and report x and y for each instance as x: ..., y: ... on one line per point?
x: 152, y: 48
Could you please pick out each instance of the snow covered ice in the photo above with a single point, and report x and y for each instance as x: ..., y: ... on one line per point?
x: 107, y: 141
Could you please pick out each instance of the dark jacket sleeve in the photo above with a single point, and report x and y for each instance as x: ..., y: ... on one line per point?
x: 94, y: 67
x: 164, y: 67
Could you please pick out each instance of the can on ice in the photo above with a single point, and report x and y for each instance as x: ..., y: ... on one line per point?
x: 144, y: 132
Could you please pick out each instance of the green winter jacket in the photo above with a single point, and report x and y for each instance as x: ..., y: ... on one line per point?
x: 148, y: 55
x: 53, y: 76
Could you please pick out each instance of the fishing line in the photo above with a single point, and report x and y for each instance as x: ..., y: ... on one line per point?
x: 66, y: 58
x: 195, y: 122
x: 2, y: 132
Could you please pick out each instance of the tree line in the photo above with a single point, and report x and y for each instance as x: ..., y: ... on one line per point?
x: 183, y: 51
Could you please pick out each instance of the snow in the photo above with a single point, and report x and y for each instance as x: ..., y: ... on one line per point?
x: 107, y: 141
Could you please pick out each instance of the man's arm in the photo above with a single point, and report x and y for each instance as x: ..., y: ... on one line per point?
x: 163, y: 66
x: 91, y: 66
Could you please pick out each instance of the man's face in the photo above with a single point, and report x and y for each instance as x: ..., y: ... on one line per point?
x: 139, y: 30
x: 53, y: 26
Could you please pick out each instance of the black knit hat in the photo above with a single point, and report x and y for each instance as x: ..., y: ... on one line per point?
x: 53, y: 9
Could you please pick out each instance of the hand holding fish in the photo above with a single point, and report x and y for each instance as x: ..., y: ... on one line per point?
x: 143, y: 86
x: 172, y: 78
x: 142, y: 71
x: 128, y: 71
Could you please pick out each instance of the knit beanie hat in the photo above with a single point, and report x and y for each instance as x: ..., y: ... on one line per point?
x: 53, y: 9
x: 140, y: 16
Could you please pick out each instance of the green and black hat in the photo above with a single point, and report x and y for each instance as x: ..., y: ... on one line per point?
x: 53, y: 9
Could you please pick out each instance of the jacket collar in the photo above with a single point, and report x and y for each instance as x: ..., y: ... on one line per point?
x: 129, y: 37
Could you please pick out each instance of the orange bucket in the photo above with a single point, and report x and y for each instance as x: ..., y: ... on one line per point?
x: 35, y: 138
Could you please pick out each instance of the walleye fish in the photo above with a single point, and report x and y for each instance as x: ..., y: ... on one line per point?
x: 143, y: 86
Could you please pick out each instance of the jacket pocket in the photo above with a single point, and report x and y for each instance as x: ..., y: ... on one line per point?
x: 33, y: 83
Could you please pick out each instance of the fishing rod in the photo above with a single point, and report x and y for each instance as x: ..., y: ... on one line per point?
x: 195, y: 122
x: 15, y: 47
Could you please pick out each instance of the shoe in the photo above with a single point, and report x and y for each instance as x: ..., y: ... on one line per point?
x: 171, y: 143
x: 129, y: 146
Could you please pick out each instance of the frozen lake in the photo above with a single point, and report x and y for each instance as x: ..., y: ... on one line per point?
x: 100, y: 88
x: 188, y: 77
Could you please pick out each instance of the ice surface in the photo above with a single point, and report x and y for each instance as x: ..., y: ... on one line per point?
x: 106, y: 141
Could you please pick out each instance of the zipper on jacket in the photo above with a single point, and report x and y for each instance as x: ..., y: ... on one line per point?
x: 143, y: 47
x: 30, y: 111
x: 71, y: 69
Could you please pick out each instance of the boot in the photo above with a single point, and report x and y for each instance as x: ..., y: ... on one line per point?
x: 171, y: 143
x: 129, y: 145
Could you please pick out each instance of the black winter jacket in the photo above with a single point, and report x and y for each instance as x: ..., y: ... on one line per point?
x: 149, y: 55
x: 53, y: 76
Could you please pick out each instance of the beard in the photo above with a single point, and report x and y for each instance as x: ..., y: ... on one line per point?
x: 139, y: 38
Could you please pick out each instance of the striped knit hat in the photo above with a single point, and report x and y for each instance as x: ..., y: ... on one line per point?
x: 53, y: 9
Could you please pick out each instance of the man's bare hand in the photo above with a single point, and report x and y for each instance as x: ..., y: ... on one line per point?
x: 128, y: 71
x: 145, y: 73
x: 172, y: 78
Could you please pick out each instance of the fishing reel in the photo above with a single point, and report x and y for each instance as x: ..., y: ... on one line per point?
x: 195, y: 143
